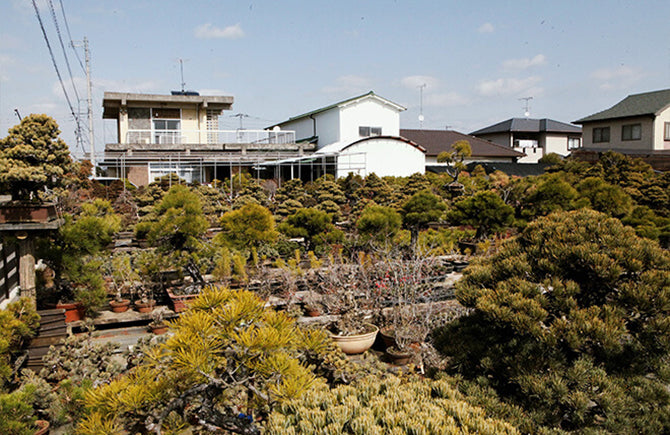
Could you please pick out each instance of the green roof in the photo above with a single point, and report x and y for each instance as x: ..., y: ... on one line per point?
x: 340, y: 103
x: 648, y: 103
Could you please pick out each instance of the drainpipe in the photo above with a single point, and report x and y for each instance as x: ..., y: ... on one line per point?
x: 313, y: 127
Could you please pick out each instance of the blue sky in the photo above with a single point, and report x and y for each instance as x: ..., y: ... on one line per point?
x: 282, y: 58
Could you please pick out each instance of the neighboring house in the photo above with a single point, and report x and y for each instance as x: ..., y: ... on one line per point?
x: 359, y: 135
x: 640, y: 123
x: 437, y: 141
x: 178, y: 133
x: 533, y: 137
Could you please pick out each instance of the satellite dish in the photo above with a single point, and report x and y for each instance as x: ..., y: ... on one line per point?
x: 421, y: 118
x: 526, y: 114
x: 276, y: 128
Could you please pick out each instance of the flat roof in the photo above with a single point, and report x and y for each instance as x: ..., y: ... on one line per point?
x: 112, y: 101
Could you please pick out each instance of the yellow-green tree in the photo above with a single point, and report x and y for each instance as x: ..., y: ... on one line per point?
x: 247, y: 227
x: 229, y: 361
x: 33, y: 157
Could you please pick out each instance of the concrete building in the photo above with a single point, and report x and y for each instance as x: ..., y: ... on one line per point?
x: 639, y: 123
x: 533, y: 137
x: 178, y: 133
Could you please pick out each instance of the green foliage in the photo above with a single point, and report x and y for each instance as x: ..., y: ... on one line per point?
x: 551, y: 159
x: 17, y: 413
x: 393, y: 405
x: 420, y: 210
x: 18, y: 323
x: 485, y: 211
x: 460, y: 150
x: 312, y: 224
x: 552, y: 193
x: 33, y: 157
x: 605, y: 197
x: 229, y: 354
x: 379, y: 224
x: 570, y: 322
x: 179, y: 223
x: 248, y: 226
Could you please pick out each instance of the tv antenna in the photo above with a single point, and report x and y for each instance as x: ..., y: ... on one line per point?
x: 421, y: 118
x: 181, y: 70
x: 526, y: 111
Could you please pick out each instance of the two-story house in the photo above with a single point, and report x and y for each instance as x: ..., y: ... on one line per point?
x: 533, y: 137
x: 178, y: 133
x: 359, y: 135
x: 638, y: 124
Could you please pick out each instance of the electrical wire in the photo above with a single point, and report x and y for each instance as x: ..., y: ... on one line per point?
x: 53, y: 59
x: 67, y: 28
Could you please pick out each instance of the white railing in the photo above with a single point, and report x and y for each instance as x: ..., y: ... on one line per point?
x: 209, y: 137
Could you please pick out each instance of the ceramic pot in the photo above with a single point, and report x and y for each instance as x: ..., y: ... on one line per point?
x: 119, y: 306
x: 398, y: 357
x: 355, y: 344
x: 145, y: 307
x: 73, y: 311
x: 158, y: 329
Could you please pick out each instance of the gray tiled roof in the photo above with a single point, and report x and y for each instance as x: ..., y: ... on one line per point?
x: 528, y: 125
x: 436, y: 141
x: 648, y: 103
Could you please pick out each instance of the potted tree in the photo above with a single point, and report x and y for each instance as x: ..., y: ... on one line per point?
x: 158, y: 325
x: 123, y: 279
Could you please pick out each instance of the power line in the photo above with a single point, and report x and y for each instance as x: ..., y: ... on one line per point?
x: 53, y: 59
x: 67, y: 27
x: 67, y: 63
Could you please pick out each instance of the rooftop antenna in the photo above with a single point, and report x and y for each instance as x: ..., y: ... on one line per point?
x: 421, y: 118
x: 18, y: 114
x: 526, y: 112
x: 241, y: 116
x: 181, y: 69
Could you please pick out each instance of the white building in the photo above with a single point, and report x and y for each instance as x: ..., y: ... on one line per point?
x: 359, y: 135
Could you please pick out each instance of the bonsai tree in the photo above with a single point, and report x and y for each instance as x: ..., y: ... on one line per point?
x: 379, y: 224
x: 570, y: 322
x: 485, y: 211
x: 247, y: 227
x: 229, y: 361
x: 312, y: 224
x: 33, y: 157
x: 460, y: 150
x: 420, y: 210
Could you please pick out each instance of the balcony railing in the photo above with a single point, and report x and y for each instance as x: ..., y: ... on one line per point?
x: 241, y: 136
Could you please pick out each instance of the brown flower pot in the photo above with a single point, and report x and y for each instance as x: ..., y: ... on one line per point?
x: 311, y: 311
x: 42, y: 427
x: 355, y: 344
x: 398, y: 357
x: 180, y: 302
x: 73, y: 311
x: 388, y: 336
x: 158, y: 329
x: 145, y: 307
x: 119, y: 306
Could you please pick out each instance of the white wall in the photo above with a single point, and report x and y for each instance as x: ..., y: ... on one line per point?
x: 368, y: 112
x: 382, y: 156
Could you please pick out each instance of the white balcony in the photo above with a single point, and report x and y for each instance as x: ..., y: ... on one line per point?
x: 240, y: 136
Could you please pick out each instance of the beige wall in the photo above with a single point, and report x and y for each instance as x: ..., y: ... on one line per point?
x: 193, y: 118
x: 644, y: 144
x: 138, y: 175
x: 503, y: 139
x: 659, y: 131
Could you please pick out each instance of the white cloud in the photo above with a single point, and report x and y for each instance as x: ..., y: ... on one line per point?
x: 486, y: 28
x: 524, y: 63
x: 620, y: 77
x: 209, y: 31
x: 123, y: 86
x: 509, y: 86
x: 349, y: 84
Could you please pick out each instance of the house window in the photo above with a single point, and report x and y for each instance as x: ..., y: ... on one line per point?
x: 369, y: 131
x: 667, y: 131
x: 631, y: 132
x: 601, y: 134
x: 166, y: 124
x: 574, y: 143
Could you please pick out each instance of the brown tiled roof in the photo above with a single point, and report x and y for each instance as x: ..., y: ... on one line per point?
x: 436, y: 141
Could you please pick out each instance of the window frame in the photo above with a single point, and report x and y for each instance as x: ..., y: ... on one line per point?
x: 628, y: 132
x: 666, y: 128
x: 367, y: 131
x: 598, y: 135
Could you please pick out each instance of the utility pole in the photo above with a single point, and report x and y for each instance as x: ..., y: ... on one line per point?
x: 87, y: 54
